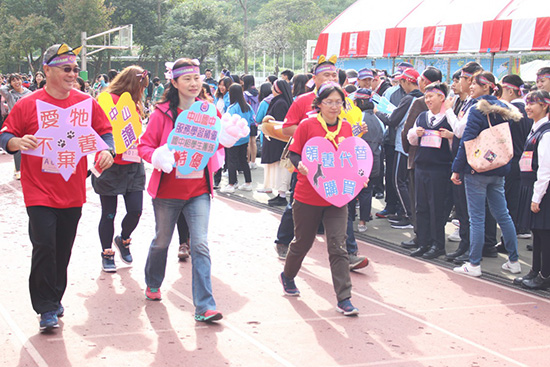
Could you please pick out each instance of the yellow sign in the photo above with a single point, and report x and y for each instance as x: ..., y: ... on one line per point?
x: 124, y: 118
x: 353, y: 114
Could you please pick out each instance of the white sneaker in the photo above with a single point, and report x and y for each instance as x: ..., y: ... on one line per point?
x: 455, y: 236
x: 229, y: 189
x: 524, y: 236
x: 469, y: 269
x: 245, y: 187
x: 456, y: 222
x: 225, y: 174
x: 252, y: 165
x: 362, y: 227
x: 264, y: 190
x: 514, y: 268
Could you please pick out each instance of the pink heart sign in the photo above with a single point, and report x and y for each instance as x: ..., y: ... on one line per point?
x: 337, y: 175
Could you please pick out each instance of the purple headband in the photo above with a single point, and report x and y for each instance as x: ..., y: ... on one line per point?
x: 364, y: 74
x: 62, y: 60
x: 465, y: 74
x: 322, y: 69
x: 543, y: 76
x: 536, y: 99
x: 435, y: 90
x: 511, y: 86
x: 362, y: 96
x: 185, y: 70
x: 326, y: 85
x: 485, y: 81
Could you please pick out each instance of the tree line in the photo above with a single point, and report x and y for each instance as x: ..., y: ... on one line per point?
x: 221, y: 31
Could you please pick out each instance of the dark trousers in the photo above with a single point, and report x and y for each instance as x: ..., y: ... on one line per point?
x: 52, y: 232
x: 365, y: 205
x: 306, y: 222
x: 378, y: 181
x: 512, y: 185
x: 236, y: 158
x: 401, y: 182
x: 285, y: 232
x: 412, y: 191
x: 183, y: 229
x: 134, y: 205
x: 541, y: 251
x: 391, y: 198
x: 431, y: 189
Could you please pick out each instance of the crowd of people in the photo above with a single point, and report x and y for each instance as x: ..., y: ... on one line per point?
x: 416, y: 126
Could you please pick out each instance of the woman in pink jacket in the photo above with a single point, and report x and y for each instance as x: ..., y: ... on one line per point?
x: 173, y: 194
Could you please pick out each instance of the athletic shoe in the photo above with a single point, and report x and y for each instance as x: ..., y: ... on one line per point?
x: 245, y: 187
x: 209, y: 316
x: 345, y: 307
x: 108, y: 261
x: 394, y: 218
x: 229, y: 189
x: 153, y: 294
x: 379, y: 195
x: 277, y: 201
x: 60, y: 311
x: 468, y: 269
x: 357, y: 262
x: 263, y: 190
x: 48, y: 321
x: 124, y: 249
x: 456, y: 222
x: 455, y: 236
x: 402, y: 224
x: 362, y: 227
x: 524, y: 236
x: 183, y: 251
x: 384, y: 213
x: 289, y: 287
x: 17, y: 175
x: 514, y: 268
x: 282, y: 250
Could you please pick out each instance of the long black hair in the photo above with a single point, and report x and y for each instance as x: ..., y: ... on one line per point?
x: 236, y: 96
x: 226, y: 82
x: 171, y: 93
x: 248, y: 81
x: 283, y: 88
x: 299, y: 84
x: 265, y: 90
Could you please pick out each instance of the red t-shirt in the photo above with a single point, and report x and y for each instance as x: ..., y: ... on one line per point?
x: 300, y: 109
x: 43, y: 188
x: 172, y: 187
x: 309, y: 128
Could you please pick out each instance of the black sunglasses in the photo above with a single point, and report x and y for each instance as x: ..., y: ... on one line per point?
x: 68, y: 69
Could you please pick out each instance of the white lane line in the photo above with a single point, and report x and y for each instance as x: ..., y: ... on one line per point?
x: 410, y: 360
x: 522, y: 349
x: 25, y: 343
x: 476, y: 279
x: 478, y: 306
x: 429, y: 324
x: 315, y: 319
x: 243, y: 335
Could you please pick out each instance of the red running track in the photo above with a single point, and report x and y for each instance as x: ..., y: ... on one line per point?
x: 412, y: 313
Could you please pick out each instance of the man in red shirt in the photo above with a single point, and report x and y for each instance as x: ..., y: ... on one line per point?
x: 54, y: 205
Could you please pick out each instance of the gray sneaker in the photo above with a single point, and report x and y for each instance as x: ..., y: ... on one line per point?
x: 357, y: 262
x: 282, y: 250
x: 108, y: 262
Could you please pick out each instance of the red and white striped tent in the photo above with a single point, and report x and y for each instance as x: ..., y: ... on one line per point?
x: 426, y: 27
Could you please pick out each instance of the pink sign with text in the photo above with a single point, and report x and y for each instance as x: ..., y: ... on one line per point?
x: 65, y: 135
x: 337, y: 175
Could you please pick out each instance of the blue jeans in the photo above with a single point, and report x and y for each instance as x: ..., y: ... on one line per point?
x: 491, y: 188
x: 196, y: 211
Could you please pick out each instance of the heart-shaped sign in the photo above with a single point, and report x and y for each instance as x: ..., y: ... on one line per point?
x: 124, y: 119
x: 337, y: 175
x: 195, y: 137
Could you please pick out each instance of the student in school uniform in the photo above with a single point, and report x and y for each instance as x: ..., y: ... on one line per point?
x: 432, y: 134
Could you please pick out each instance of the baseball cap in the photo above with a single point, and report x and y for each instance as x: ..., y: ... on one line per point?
x: 410, y: 75
x: 363, y: 93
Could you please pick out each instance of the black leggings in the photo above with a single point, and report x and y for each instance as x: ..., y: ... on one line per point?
x: 541, y: 252
x: 134, y: 204
x: 183, y: 229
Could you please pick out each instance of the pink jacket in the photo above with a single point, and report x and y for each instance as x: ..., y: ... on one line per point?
x: 159, y: 127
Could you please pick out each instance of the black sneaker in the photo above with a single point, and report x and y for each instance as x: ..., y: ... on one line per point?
x: 108, y: 261
x: 289, y: 287
x: 379, y: 195
x: 402, y: 224
x: 394, y: 218
x: 277, y: 201
x: 124, y: 249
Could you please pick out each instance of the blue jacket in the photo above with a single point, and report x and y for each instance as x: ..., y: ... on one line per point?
x: 499, y: 112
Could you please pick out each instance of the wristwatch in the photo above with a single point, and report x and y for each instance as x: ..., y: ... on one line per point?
x: 111, y: 152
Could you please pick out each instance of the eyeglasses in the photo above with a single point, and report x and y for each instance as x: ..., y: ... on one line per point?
x: 68, y: 69
x: 333, y: 103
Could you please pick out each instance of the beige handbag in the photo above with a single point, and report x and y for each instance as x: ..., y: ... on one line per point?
x: 285, y: 160
x: 491, y: 149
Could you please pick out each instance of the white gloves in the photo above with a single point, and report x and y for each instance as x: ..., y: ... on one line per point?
x: 163, y: 159
x: 233, y: 127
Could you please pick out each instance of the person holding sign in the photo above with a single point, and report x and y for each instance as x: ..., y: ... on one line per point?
x: 126, y: 177
x: 432, y: 134
x: 174, y: 193
x: 310, y: 209
x: 54, y: 204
